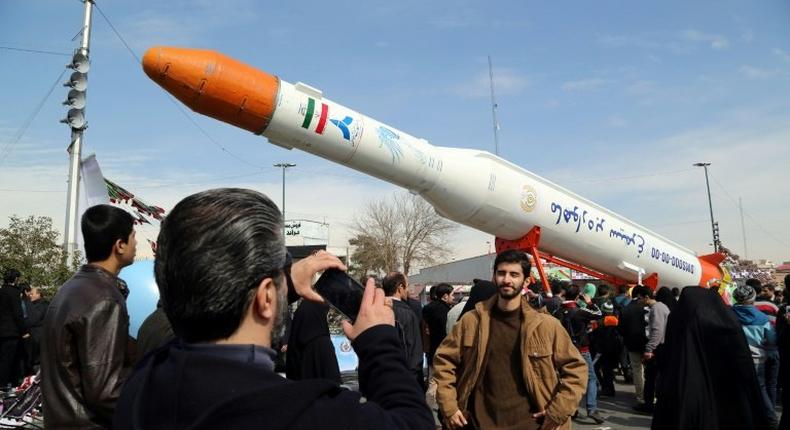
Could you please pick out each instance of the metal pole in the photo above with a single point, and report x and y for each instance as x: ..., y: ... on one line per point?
x: 743, y: 230
x: 493, y: 107
x: 284, y: 166
x: 75, y: 154
x: 710, y: 205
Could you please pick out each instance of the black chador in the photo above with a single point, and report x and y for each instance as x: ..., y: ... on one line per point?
x: 706, y: 378
x: 310, y: 352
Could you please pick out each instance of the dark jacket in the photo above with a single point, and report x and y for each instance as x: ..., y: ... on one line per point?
x: 175, y: 388
x: 311, y: 354
x: 416, y: 306
x: 435, y: 316
x: 84, y: 358
x: 36, y: 312
x: 577, y: 321
x: 12, y: 324
x: 783, y: 339
x: 154, y: 332
x: 408, y: 325
x: 633, y: 326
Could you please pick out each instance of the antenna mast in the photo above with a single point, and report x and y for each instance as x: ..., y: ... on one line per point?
x: 493, y: 106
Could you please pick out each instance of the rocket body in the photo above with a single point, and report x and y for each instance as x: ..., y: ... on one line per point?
x: 471, y: 187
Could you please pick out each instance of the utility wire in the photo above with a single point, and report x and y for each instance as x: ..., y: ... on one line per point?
x: 173, y: 100
x: 748, y: 215
x: 207, y: 181
x: 19, y: 134
x: 16, y: 190
x: 128, y: 48
x: 35, y: 51
x: 147, y: 187
x: 620, y: 178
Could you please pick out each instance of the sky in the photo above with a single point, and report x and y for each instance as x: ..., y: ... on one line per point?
x: 613, y: 100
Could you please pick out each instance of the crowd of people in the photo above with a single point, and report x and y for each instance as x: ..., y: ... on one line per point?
x: 22, y: 311
x: 510, y: 356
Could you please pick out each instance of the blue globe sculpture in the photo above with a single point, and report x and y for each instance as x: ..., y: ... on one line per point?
x: 143, y: 293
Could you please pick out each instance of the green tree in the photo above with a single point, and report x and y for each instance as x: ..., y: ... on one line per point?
x: 32, y: 246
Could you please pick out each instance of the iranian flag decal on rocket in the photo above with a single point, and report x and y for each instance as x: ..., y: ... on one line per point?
x: 308, y: 116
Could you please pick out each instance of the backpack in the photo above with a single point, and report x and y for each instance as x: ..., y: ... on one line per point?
x: 565, y: 315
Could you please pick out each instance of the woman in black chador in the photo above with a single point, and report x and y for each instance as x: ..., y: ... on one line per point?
x: 706, y: 380
x: 310, y: 352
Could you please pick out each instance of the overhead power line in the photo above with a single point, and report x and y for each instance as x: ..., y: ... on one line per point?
x: 35, y: 51
x: 8, y: 147
x: 748, y: 215
x: 621, y: 178
x: 174, y: 101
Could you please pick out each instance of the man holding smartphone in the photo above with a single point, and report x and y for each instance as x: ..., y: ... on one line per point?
x: 219, y: 268
x: 506, y: 365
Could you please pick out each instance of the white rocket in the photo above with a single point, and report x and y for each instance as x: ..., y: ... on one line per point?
x: 471, y: 187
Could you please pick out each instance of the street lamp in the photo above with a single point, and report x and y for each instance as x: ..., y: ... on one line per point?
x: 284, y: 166
x: 713, y: 224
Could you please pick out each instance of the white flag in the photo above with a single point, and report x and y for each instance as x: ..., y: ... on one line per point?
x: 93, y: 181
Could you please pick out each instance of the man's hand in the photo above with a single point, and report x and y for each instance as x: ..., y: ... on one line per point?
x: 548, y: 424
x: 374, y: 310
x: 457, y: 421
x: 304, y: 270
x: 647, y: 357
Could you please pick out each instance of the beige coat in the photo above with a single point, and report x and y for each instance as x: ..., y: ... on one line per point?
x: 554, y: 372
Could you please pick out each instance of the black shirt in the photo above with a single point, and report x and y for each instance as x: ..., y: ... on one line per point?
x: 435, y: 316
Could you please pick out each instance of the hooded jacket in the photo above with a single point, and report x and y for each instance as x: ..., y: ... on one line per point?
x: 760, y: 334
x: 554, y: 371
x: 179, y: 387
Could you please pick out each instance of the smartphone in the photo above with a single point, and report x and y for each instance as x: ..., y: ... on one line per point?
x: 341, y: 292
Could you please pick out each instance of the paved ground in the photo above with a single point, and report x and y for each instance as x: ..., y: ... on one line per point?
x: 618, y: 411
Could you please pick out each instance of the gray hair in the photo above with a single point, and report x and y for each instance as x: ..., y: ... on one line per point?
x: 213, y: 249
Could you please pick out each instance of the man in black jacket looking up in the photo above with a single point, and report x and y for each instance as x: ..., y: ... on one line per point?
x: 219, y: 268
x: 84, y: 357
x: 396, y: 286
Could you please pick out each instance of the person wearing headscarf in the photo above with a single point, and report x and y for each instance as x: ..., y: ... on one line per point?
x: 310, y: 353
x: 590, y: 291
x: 665, y: 296
x: 707, y: 379
x: 480, y: 292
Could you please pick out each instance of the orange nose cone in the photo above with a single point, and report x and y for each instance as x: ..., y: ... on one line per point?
x: 711, y: 268
x: 215, y: 85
